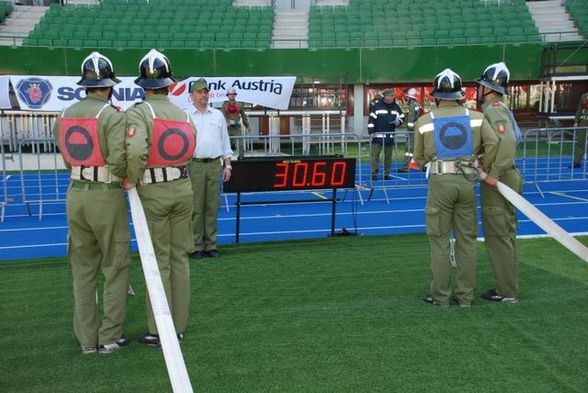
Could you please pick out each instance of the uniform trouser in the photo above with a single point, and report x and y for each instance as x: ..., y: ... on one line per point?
x: 375, y: 157
x: 451, y: 206
x: 236, y: 141
x: 500, y: 230
x: 409, y: 147
x: 98, y: 241
x: 206, y: 178
x: 580, y: 144
x: 168, y: 209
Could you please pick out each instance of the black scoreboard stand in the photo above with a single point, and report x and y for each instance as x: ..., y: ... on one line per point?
x: 257, y: 174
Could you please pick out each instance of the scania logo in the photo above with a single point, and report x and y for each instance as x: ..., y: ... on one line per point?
x: 35, y: 92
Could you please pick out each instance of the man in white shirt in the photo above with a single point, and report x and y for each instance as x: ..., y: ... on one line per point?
x: 204, y: 169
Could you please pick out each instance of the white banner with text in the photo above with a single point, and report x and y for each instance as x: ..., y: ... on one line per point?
x: 55, y: 93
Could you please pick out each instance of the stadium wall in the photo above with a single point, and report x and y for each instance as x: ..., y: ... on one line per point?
x: 351, y: 65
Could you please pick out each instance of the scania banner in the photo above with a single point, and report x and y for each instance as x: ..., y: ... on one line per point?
x: 54, y: 93
x: 4, y: 98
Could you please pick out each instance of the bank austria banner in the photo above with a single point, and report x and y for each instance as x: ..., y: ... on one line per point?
x: 271, y: 92
x: 55, y: 93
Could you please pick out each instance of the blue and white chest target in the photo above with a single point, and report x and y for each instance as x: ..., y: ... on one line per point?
x: 453, y: 136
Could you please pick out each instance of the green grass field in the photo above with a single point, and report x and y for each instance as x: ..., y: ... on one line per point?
x: 330, y: 315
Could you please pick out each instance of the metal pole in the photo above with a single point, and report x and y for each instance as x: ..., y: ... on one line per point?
x: 333, y: 211
x: 238, y: 218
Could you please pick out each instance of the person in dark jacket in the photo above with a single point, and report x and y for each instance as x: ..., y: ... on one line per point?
x: 385, y: 116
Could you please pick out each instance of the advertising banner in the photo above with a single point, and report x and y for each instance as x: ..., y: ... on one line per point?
x: 271, y: 92
x: 54, y: 93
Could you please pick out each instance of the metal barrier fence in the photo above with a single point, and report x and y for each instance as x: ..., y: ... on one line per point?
x: 545, y: 155
x: 548, y: 155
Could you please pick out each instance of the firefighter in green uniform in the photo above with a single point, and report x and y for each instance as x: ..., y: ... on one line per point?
x: 91, y: 138
x: 160, y: 141
x: 581, y: 120
x: 234, y: 116
x: 498, y: 215
x: 448, y: 140
x: 414, y: 111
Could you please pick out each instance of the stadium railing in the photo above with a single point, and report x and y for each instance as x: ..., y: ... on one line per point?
x: 28, y: 154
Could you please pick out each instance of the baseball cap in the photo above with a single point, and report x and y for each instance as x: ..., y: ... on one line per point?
x: 388, y: 92
x: 199, y: 85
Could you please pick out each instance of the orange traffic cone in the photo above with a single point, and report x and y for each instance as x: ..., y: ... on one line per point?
x: 413, y: 165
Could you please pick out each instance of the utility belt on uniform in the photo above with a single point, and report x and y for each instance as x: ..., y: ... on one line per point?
x: 82, y: 185
x: 98, y: 174
x: 439, y: 167
x: 162, y: 175
x: 382, y: 135
x: 206, y: 159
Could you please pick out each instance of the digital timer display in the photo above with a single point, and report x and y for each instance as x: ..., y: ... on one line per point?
x: 279, y: 174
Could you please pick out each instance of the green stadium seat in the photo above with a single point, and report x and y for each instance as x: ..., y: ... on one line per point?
x: 489, y: 39
x: 249, y: 44
x: 429, y: 41
x: 75, y: 42
x: 414, y: 42
x: 400, y: 42
x: 163, y: 44
x: 28, y: 41
x: 124, y: 35
x: 90, y: 43
x: 94, y: 35
x: 500, y: 31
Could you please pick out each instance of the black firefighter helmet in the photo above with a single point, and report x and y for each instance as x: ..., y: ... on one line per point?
x: 496, y: 77
x: 155, y: 71
x: 447, y: 86
x: 97, y: 71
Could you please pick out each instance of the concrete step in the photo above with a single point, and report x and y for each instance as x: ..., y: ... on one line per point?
x: 289, y: 44
x: 252, y: 3
x: 551, y: 16
x: 22, y: 20
x: 290, y: 29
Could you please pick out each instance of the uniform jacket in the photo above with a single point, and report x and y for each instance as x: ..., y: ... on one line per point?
x: 484, y: 138
x: 234, y: 116
x: 381, y: 120
x: 498, y: 116
x: 111, y: 131
x: 414, y: 111
x: 140, y: 131
x: 582, y: 112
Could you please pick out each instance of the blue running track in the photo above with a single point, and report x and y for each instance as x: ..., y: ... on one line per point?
x: 24, y: 236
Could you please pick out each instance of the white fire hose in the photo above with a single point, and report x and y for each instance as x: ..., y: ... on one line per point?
x: 542, y: 221
x: 172, y: 354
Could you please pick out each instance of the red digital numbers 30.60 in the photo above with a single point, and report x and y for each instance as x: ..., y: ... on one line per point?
x: 312, y: 174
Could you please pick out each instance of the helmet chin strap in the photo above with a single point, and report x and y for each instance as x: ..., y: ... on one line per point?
x: 481, y: 98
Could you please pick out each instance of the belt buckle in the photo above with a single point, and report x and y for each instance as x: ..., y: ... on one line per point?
x: 108, y: 177
x: 84, y: 170
x: 439, y: 167
x: 173, y: 173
